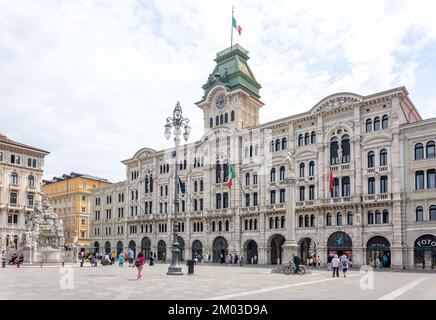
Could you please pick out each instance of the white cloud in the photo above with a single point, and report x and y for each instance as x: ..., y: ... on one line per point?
x: 93, y: 81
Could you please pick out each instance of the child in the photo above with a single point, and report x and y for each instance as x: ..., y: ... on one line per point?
x: 121, y: 260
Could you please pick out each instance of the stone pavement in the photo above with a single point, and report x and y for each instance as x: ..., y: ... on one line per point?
x: 208, y: 282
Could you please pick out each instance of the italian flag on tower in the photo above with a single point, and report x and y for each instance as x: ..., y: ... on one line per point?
x: 231, y: 177
x: 236, y: 26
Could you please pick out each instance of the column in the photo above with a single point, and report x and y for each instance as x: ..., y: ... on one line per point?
x: 290, y: 246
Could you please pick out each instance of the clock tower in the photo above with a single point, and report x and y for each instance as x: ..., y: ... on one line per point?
x: 231, y: 93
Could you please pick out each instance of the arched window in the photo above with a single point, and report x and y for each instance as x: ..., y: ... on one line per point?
x: 247, y: 179
x: 431, y: 179
x: 221, y: 119
x: 273, y: 175
x: 195, y: 186
x: 300, y: 221
x: 255, y: 224
x: 282, y: 173
x: 376, y: 123
x: 433, y: 213
x: 300, y: 140
x: 383, y: 157
x: 430, y: 149
x: 345, y: 144
x: 385, y: 216
x: 329, y: 219
x: 313, y: 137
x: 276, y: 222
x: 271, y: 223
x: 251, y: 224
x: 339, y: 219
x: 312, y: 220
x: 14, y: 177
x: 210, y: 122
x: 227, y: 225
x: 246, y: 224
x: 271, y: 147
x: 368, y: 125
x: 378, y: 217
x: 31, y: 181
x: 226, y: 117
x: 284, y: 144
x: 302, y: 166
x: 278, y: 145
x: 334, y: 150
x: 419, y: 151
x: 371, y: 161
x: 213, y: 226
x: 306, y: 138
x: 302, y: 192
x: 385, y: 122
x: 201, y: 185
x: 217, y: 120
x: 419, y: 180
x: 350, y: 218
x: 306, y: 221
x: 311, y: 168
x: 218, y: 172
x: 220, y: 225
x: 232, y: 116
x: 370, y: 217
x: 282, y: 222
x: 419, y: 214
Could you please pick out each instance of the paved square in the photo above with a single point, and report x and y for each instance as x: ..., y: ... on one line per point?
x: 208, y: 282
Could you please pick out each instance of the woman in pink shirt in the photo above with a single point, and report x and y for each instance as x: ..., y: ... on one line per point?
x: 139, y: 263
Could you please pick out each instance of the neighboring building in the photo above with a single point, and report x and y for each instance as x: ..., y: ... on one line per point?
x: 363, y: 183
x: 21, y: 172
x: 70, y: 197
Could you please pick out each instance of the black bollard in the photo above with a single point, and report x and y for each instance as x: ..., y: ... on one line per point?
x: 81, y: 263
x: 41, y: 264
x: 3, y: 264
x: 18, y: 265
x: 63, y: 264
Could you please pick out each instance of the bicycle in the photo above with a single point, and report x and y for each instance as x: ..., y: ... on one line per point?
x: 289, y: 268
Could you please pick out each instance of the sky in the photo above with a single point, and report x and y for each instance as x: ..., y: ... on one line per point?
x: 92, y: 82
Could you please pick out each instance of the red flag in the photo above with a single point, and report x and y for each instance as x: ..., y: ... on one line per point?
x: 331, y: 180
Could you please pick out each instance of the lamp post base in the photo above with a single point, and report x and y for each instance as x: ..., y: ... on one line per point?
x: 176, y: 271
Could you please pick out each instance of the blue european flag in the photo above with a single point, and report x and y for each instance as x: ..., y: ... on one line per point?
x: 182, y: 186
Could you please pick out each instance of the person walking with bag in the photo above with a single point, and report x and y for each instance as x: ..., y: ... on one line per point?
x: 344, y: 263
x: 139, y: 264
x: 335, y: 266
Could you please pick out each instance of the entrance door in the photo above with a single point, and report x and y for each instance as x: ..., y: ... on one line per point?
x: 378, y: 252
x: 145, y: 247
x: 425, y: 252
x: 161, y: 249
x: 277, y: 249
x: 220, y: 250
x: 197, y: 248
x: 251, y: 254
x: 340, y: 243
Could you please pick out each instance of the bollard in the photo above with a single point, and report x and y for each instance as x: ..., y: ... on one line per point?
x: 3, y: 264
x: 63, y: 264
x: 41, y: 264
x: 18, y: 265
x: 81, y: 263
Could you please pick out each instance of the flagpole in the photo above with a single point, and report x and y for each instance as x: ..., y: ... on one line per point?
x: 231, y: 38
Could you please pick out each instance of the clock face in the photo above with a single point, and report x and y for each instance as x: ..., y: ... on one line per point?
x: 221, y: 101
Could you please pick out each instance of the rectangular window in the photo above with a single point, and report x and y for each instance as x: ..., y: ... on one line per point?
x: 30, y: 200
x: 311, y: 192
x: 371, y: 186
x: 29, y: 162
x: 225, y: 200
x: 431, y: 181
x: 273, y: 197
x: 218, y: 200
x: 13, y: 198
x: 282, y: 196
x: 255, y: 202
x: 1, y: 156
x: 419, y: 180
x: 383, y: 184
x: 15, y: 218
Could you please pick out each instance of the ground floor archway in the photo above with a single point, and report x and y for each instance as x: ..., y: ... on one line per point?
x: 378, y: 252
x: 307, y: 249
x: 197, y: 248
x: 146, y: 247
x: 161, y: 249
x: 132, y: 245
x: 220, y: 249
x: 340, y: 243
x: 119, y: 248
x: 425, y: 252
x: 181, y: 248
x: 107, y: 247
x: 96, y: 247
x: 276, y: 254
x: 251, y: 254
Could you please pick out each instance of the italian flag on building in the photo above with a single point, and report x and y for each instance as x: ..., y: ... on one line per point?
x: 236, y: 26
x: 231, y: 177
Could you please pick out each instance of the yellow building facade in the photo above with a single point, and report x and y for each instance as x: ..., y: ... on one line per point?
x: 70, y: 196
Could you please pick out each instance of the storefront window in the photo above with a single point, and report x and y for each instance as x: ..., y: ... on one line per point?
x: 425, y: 252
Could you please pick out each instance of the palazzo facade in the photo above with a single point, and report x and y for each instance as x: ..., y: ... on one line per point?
x: 354, y: 174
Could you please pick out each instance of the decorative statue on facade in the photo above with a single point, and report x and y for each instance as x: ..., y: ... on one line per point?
x: 289, y: 161
x: 44, y: 236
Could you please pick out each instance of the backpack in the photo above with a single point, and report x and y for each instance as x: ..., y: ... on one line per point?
x: 138, y: 262
x: 344, y: 264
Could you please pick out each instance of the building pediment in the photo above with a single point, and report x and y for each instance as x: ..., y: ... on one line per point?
x: 336, y: 101
x: 144, y: 153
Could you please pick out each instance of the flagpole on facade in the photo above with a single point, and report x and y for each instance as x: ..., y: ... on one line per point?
x: 231, y: 37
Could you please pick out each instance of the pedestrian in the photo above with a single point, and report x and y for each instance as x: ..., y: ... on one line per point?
x: 209, y: 258
x: 344, y: 264
x: 385, y: 261
x: 151, y: 259
x: 139, y: 264
x: 113, y: 256
x: 241, y: 261
x: 318, y: 262
x: 380, y: 257
x: 297, y: 261
x: 236, y: 259
x: 121, y: 260
x: 329, y: 262
x: 255, y: 259
x: 164, y: 257
x: 335, y: 265
x: 310, y: 262
x: 131, y: 256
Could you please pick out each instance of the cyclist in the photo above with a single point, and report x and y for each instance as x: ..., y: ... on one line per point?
x: 297, y: 261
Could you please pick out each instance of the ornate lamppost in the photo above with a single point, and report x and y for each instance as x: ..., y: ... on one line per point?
x: 177, y: 121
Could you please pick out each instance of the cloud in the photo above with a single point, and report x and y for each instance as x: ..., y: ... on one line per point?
x: 93, y: 81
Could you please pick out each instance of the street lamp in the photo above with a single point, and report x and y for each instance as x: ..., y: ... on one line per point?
x: 177, y: 122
